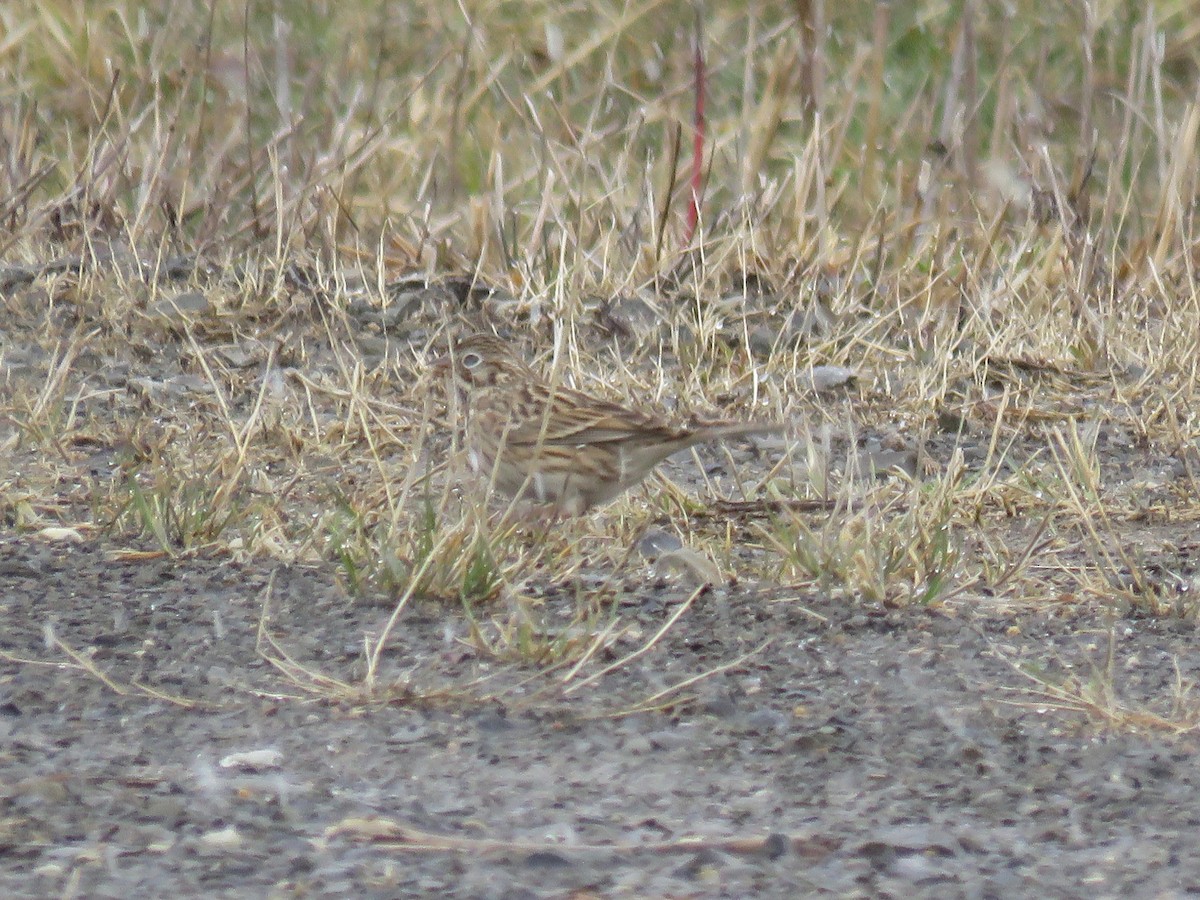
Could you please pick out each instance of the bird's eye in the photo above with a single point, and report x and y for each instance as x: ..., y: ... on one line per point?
x: 471, y: 360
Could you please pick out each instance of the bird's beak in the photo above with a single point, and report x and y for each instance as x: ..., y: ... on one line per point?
x: 441, y: 365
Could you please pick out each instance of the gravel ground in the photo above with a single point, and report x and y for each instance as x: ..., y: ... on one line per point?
x: 859, y: 753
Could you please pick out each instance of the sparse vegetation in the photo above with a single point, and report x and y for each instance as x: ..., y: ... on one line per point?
x: 234, y: 235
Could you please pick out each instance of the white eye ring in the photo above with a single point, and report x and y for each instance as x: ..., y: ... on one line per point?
x: 471, y: 360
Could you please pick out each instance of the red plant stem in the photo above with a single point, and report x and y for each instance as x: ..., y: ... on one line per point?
x: 698, y: 124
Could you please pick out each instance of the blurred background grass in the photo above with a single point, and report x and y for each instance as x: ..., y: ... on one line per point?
x: 515, y: 134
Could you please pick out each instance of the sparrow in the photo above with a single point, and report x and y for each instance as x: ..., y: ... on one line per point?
x: 556, y: 446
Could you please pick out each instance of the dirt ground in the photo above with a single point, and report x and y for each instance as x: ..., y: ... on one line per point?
x: 857, y: 753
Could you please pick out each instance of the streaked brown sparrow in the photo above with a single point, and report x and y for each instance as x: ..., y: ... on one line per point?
x: 554, y: 445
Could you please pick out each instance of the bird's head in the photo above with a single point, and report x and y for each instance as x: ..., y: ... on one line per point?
x: 482, y: 360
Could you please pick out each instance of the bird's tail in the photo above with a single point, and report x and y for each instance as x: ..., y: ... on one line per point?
x: 720, y: 430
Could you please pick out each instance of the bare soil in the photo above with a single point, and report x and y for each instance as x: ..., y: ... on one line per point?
x: 874, y: 753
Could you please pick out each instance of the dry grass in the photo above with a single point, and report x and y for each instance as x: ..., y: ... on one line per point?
x: 230, y: 244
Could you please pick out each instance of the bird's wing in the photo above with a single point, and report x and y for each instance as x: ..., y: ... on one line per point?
x: 574, y: 418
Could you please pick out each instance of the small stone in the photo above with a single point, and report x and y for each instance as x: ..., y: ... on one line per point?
x: 184, y: 307
x: 227, y: 838
x: 655, y: 542
x: 824, y: 378
x: 253, y: 760
x: 66, y: 535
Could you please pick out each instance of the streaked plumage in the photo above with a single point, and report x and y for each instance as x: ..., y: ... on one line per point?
x: 555, y: 445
